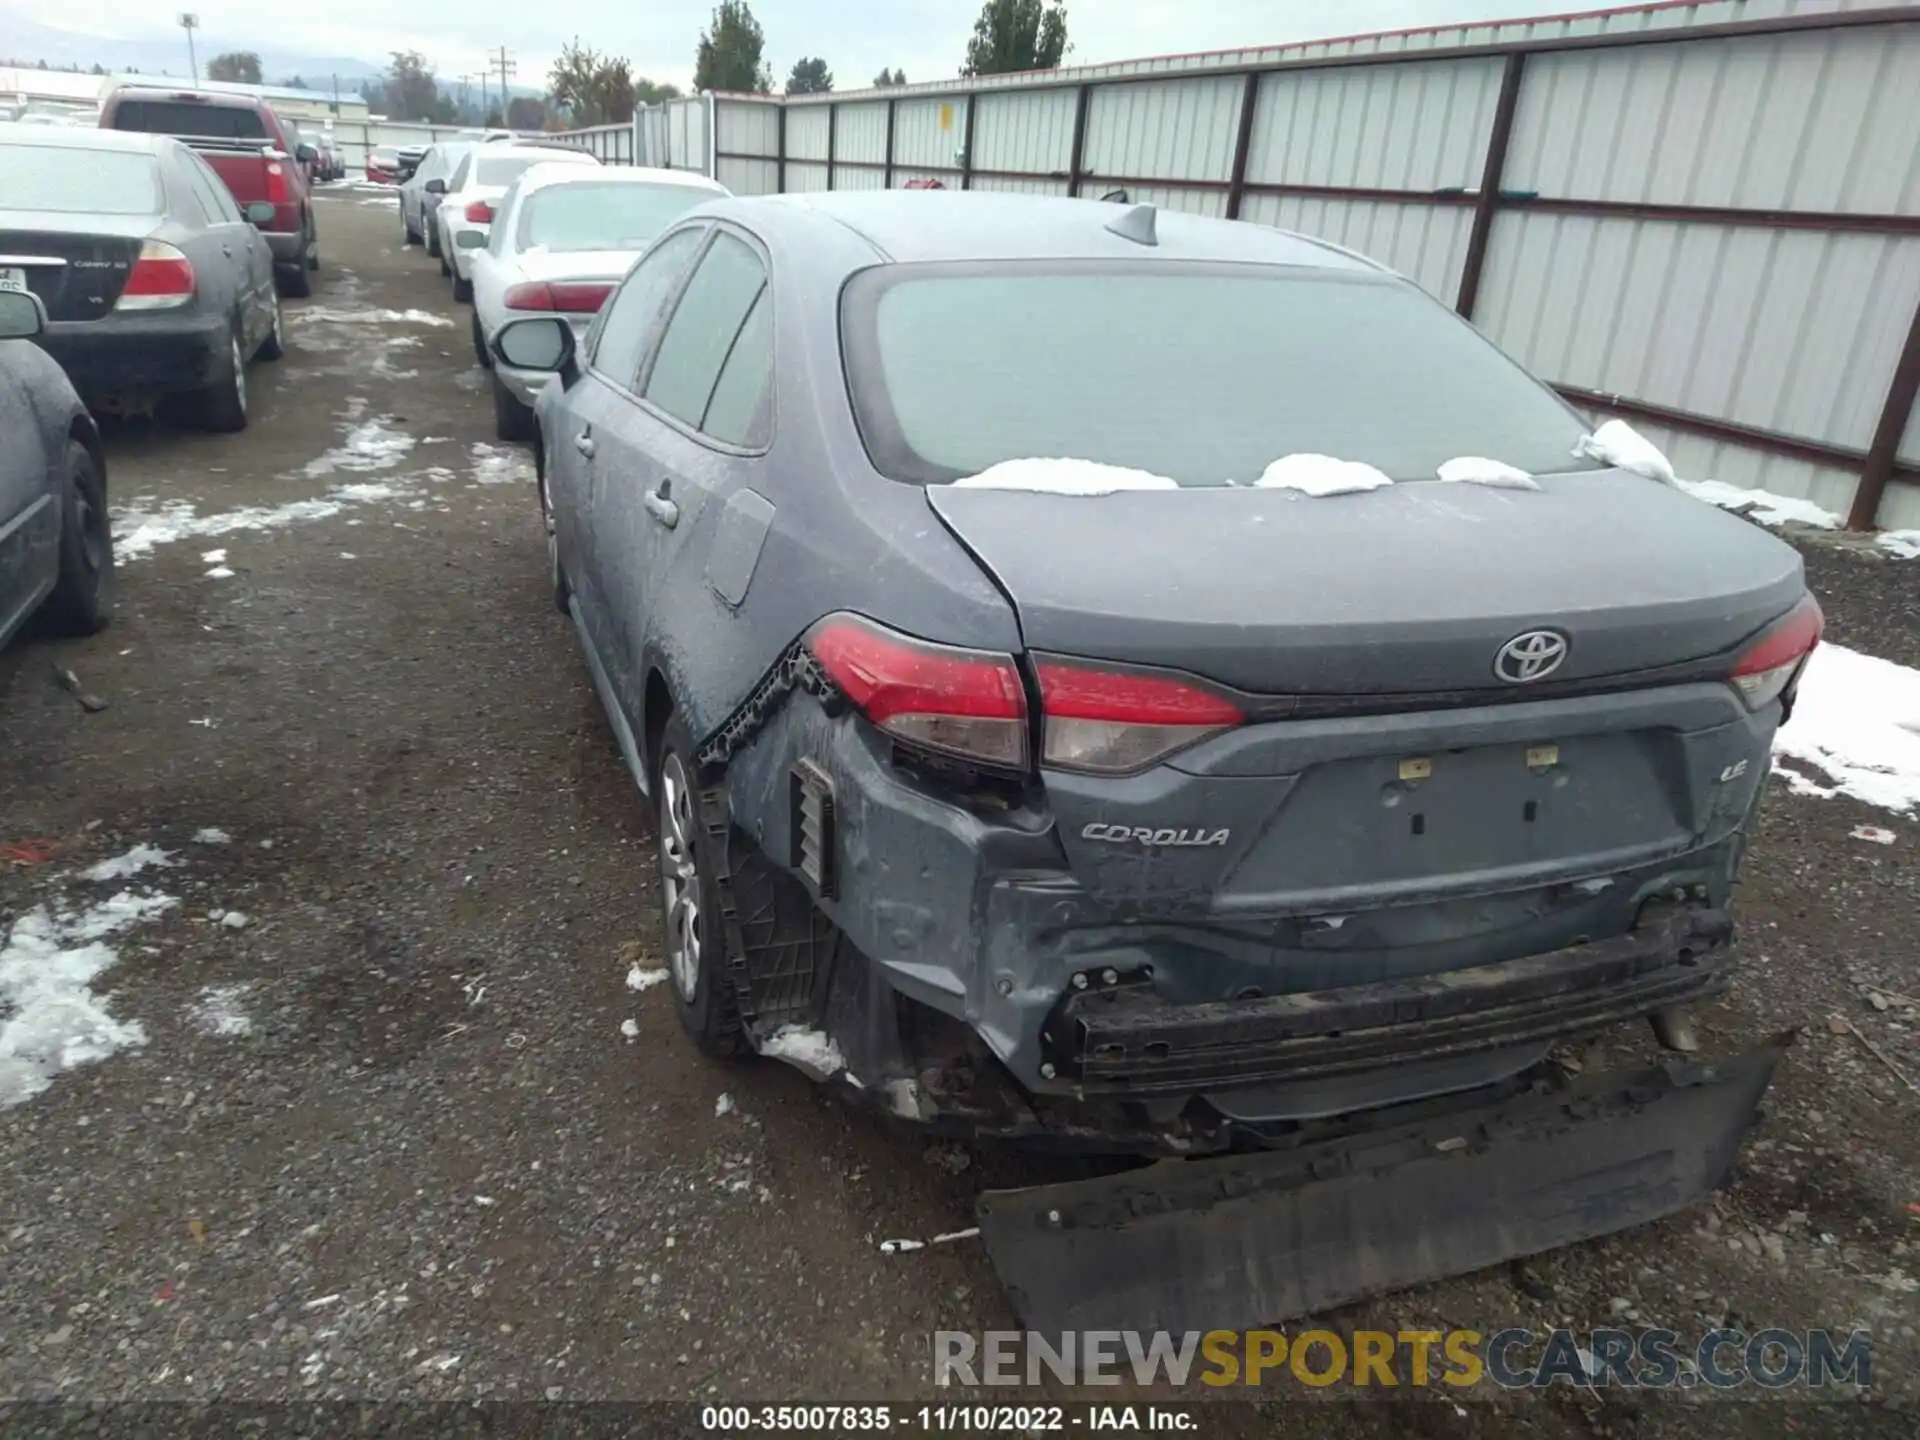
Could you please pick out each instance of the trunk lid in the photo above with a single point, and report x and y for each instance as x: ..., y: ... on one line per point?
x: 1417, y: 774
x: 1410, y: 589
x: 78, y: 264
x: 587, y: 265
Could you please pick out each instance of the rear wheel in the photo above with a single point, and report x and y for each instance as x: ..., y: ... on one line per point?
x: 480, y: 351
x: 293, y: 280
x: 512, y: 420
x: 408, y: 235
x: 556, y: 572
x: 223, y: 404
x: 689, y: 902
x: 82, y: 598
x: 462, y: 289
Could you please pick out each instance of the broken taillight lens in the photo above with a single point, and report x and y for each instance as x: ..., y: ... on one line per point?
x: 967, y: 703
x: 1114, y: 722
x: 1768, y: 666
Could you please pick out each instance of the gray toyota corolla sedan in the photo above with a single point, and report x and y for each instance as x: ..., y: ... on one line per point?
x: 1167, y: 687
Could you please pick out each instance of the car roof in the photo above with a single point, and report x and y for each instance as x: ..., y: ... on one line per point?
x: 191, y: 94
x: 537, y: 152
x: 79, y: 138
x: 932, y: 225
x: 539, y: 177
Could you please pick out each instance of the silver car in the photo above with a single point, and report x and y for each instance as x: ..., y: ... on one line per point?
x: 563, y: 238
x: 420, y: 194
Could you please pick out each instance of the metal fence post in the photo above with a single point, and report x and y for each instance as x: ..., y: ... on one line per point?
x: 833, y: 113
x: 1884, y: 453
x: 1242, y: 144
x: 780, y: 153
x: 1487, y: 203
x: 889, y: 158
x: 966, y: 142
x: 1077, y: 158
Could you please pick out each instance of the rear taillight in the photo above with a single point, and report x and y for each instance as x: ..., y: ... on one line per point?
x: 968, y: 703
x: 277, y: 191
x: 480, y: 212
x: 1114, y: 722
x: 1768, y: 666
x: 562, y: 296
x: 160, y: 279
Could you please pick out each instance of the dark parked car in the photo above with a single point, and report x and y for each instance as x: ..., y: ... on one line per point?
x: 153, y: 281
x: 1185, y: 807
x: 56, y: 550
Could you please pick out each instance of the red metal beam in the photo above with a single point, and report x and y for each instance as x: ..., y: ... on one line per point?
x: 1487, y: 202
x: 1718, y: 215
x: 1883, y: 455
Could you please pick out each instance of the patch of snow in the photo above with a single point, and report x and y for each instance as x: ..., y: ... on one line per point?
x: 235, y: 920
x: 336, y: 315
x: 631, y: 1029
x: 811, y: 1050
x: 211, y: 835
x: 498, y: 465
x: 370, y: 445
x: 214, y: 557
x: 120, y: 867
x: 1904, y: 543
x: 1761, y: 505
x: 50, y: 1019
x: 1063, y: 477
x: 218, y: 1011
x: 1478, y: 470
x: 219, y: 572
x: 138, y: 529
x: 1878, y: 834
x: 638, y: 979
x: 1321, y: 475
x: 723, y: 1106
x: 1858, y: 720
x: 1618, y: 444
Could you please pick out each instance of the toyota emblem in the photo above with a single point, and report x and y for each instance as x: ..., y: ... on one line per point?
x: 1529, y: 657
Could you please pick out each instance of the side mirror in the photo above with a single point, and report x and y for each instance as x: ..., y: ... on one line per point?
x: 21, y: 317
x: 471, y: 240
x: 305, y: 154
x: 536, y: 343
x: 259, y: 212
x: 436, y: 187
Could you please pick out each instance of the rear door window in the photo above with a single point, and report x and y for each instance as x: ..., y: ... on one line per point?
x: 189, y: 117
x: 626, y: 324
x: 705, y: 324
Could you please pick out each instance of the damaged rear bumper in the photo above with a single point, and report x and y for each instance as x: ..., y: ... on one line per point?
x: 1244, y: 1240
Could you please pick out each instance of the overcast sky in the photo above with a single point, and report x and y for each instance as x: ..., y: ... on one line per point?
x: 926, y: 38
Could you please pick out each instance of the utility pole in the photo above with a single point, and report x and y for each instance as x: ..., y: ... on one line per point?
x: 190, y: 22
x: 503, y: 63
x: 483, y: 97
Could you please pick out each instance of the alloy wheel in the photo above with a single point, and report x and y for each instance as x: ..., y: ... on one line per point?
x: 680, y: 877
x: 239, y: 375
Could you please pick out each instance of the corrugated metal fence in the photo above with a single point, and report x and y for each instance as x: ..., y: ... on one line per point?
x: 1704, y: 217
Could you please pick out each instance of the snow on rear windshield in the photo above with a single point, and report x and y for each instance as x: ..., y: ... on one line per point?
x: 86, y: 182
x: 607, y: 216
x: 1205, y: 373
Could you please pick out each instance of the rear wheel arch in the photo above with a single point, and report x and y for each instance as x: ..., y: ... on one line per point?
x: 84, y: 432
x: 656, y: 710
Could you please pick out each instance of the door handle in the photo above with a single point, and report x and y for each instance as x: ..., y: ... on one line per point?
x: 227, y: 250
x: 661, y: 508
x: 583, y: 442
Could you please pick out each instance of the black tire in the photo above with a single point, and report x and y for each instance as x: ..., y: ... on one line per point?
x: 556, y: 571
x: 445, y: 269
x: 275, y: 345
x: 223, y: 404
x: 293, y: 281
x: 703, y: 993
x: 82, y: 599
x: 462, y: 289
x: 512, y: 420
x: 433, y: 241
x: 408, y: 235
x: 482, y: 355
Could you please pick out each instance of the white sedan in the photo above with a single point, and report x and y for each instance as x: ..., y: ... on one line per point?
x: 482, y: 177
x: 563, y: 238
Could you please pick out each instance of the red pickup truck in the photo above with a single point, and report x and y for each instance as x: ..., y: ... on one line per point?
x: 250, y: 149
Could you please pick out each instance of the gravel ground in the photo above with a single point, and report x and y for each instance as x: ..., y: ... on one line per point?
x: 385, y: 1137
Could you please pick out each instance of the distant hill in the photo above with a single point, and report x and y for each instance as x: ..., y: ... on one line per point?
x: 30, y: 42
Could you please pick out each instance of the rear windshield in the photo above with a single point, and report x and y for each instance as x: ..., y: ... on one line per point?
x: 505, y: 169
x: 189, y: 117
x: 1202, y: 373
x: 602, y: 216
x: 88, y: 182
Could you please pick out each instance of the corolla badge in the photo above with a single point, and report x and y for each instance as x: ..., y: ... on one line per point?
x: 1156, y: 839
x: 1530, y: 656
